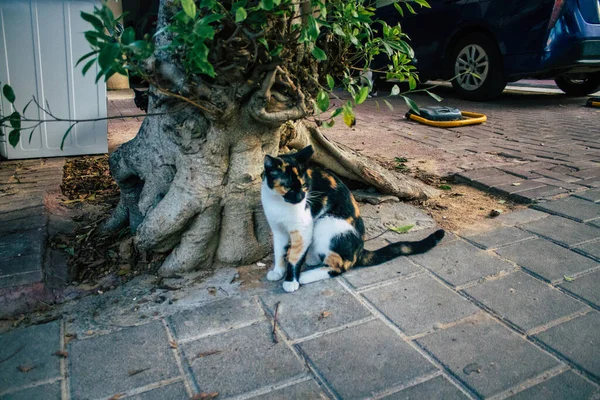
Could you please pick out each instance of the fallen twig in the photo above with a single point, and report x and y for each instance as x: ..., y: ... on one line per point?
x: 12, y: 355
x: 275, y: 339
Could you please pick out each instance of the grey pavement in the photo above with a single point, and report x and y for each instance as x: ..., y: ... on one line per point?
x: 512, y: 312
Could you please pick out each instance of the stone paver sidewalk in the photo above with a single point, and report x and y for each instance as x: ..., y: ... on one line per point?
x: 23, y: 220
x: 509, y: 311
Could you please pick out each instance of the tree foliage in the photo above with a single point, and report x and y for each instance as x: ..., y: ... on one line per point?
x: 218, y: 55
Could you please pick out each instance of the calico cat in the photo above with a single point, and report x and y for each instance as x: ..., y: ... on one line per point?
x: 315, y: 219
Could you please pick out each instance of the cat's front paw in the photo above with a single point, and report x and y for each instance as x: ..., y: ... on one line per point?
x: 291, y: 286
x: 275, y: 274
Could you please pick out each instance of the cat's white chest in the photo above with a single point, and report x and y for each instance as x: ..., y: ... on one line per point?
x: 283, y: 215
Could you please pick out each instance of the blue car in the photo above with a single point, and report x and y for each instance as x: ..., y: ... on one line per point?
x: 502, y: 41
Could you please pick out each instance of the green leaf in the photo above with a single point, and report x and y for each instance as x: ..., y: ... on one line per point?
x: 13, y: 137
x: 409, y: 8
x: 568, y: 278
x: 338, y: 30
x: 108, y: 55
x: 395, y: 90
x: 240, y: 15
x: 412, y: 83
x: 422, y: 3
x: 337, y: 112
x: 92, y: 19
x: 313, y: 28
x: 15, y: 120
x: 330, y: 82
x: 87, y: 66
x: 9, y: 93
x: 91, y: 53
x: 445, y: 187
x: 399, y: 9
x: 401, y: 229
x: 128, y: 36
x: 323, y: 100
x: 26, y: 105
x: 189, y: 7
x: 319, y: 54
x: 349, y: 118
x: 412, y: 105
x: 435, y: 96
x: 362, y: 95
x: 329, y: 124
x: 62, y: 143
x: 276, y: 50
x: 400, y: 159
x: 387, y: 103
x: 267, y: 4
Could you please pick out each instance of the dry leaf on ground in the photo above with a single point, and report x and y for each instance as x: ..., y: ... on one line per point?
x: 324, y: 315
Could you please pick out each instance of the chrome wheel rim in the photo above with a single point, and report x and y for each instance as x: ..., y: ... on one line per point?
x: 472, y: 59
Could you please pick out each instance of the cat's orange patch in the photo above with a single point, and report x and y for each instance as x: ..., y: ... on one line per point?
x: 296, y: 245
x: 278, y: 188
x: 337, y: 263
x: 309, y: 172
x: 331, y: 180
x: 355, y: 206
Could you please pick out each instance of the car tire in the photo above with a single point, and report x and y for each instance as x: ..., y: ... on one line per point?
x: 579, y: 87
x: 479, y: 53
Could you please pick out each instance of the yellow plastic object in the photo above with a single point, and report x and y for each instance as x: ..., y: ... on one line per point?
x: 593, y: 102
x: 471, y: 118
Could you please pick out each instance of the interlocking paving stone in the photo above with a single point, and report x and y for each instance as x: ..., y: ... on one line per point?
x: 525, y: 301
x: 49, y: 391
x: 591, y: 195
x: 547, y: 259
x: 241, y: 351
x: 22, y: 224
x: 533, y: 195
x: 101, y: 366
x: 567, y: 385
x: 487, y: 356
x: 590, y: 249
x: 32, y: 347
x: 303, y: 390
x: 419, y: 304
x: 361, y: 277
x: 22, y: 243
x: 578, y: 341
x: 458, y: 263
x: 365, y: 359
x: 437, y: 388
x: 10, y: 217
x: 173, y: 391
x: 563, y: 230
x: 217, y: 316
x: 521, y: 187
x: 300, y: 313
x: 499, y: 237
x: 521, y: 217
x: 572, y: 207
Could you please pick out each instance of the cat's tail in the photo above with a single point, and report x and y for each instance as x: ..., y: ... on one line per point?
x: 391, y: 251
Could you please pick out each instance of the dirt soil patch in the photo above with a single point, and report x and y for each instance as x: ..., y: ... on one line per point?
x: 99, y: 259
x: 461, y: 207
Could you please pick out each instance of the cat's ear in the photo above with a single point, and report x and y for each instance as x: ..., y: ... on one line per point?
x: 304, y: 155
x: 271, y: 162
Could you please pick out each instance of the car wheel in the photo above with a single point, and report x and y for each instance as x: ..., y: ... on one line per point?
x: 589, y: 83
x: 477, y: 53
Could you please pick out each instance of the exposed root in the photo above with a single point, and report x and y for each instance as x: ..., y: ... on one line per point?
x: 352, y: 165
